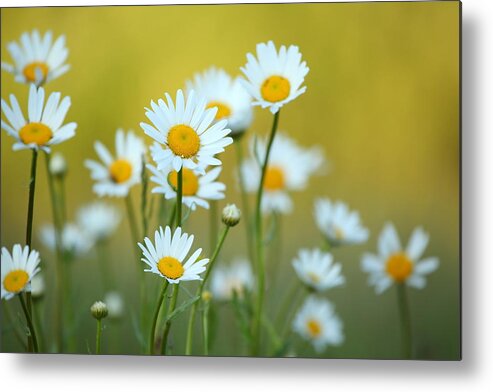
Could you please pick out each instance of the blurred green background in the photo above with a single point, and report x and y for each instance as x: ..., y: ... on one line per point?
x: 382, y: 100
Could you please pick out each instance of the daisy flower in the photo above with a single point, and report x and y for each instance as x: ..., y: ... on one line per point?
x: 338, y: 224
x: 274, y: 78
x: 394, y: 265
x: 228, y: 279
x: 289, y: 169
x: 317, y: 323
x: 197, y: 188
x: 37, y: 59
x: 99, y: 220
x: 317, y: 269
x: 115, y: 176
x: 18, y: 269
x: 166, y: 257
x: 186, y: 132
x: 43, y: 127
x: 232, y: 101
x: 74, y: 240
x: 115, y: 303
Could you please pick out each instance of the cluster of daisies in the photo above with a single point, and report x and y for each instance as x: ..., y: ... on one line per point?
x: 187, y: 131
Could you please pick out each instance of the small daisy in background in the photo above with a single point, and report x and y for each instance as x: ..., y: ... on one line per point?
x: 43, y: 127
x: 338, y: 224
x: 116, y: 175
x: 186, y: 131
x: 18, y: 269
x: 229, y: 279
x: 99, y: 220
x: 37, y: 59
x: 115, y: 304
x: 228, y: 95
x: 289, y: 169
x: 392, y: 264
x: 274, y: 78
x: 38, y: 286
x: 197, y: 189
x: 166, y: 257
x: 317, y: 269
x: 318, y: 323
x: 75, y: 241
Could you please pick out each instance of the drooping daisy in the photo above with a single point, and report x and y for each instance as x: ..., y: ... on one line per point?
x: 99, y: 220
x: 317, y: 269
x: 274, y: 78
x: 318, y: 323
x: 197, y: 189
x: 166, y: 257
x: 18, y: 269
x: 43, y: 127
x: 116, y: 175
x: 75, y: 241
x: 228, y: 279
x: 394, y: 265
x: 338, y: 224
x: 36, y: 59
x: 186, y: 132
x: 289, y: 168
x: 220, y: 90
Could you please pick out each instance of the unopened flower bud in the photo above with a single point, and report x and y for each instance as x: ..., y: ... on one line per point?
x: 58, y: 165
x: 99, y: 310
x: 206, y: 296
x: 231, y: 215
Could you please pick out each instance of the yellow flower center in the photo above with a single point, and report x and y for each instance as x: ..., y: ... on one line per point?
x: 314, y: 277
x: 314, y: 328
x: 274, y: 178
x: 32, y: 69
x: 275, y: 88
x: 36, y: 133
x: 170, y: 267
x: 222, y: 109
x: 399, y: 267
x: 15, y: 281
x: 183, y: 141
x: 120, y: 170
x: 190, y: 182
x: 339, y: 234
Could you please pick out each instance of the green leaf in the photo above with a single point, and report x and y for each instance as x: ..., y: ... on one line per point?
x: 180, y: 309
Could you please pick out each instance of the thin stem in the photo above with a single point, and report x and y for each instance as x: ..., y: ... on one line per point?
x: 205, y: 327
x: 30, y: 324
x: 29, y: 228
x: 259, y: 242
x: 98, y: 336
x: 156, y: 315
x: 191, y: 320
x: 179, y: 197
x: 60, y: 267
x: 244, y: 200
x: 405, y: 318
x: 167, y: 326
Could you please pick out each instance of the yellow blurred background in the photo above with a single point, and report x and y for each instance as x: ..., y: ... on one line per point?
x: 382, y: 100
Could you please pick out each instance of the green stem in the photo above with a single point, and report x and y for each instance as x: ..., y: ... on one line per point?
x: 29, y: 229
x: 405, y: 319
x: 191, y: 320
x: 205, y: 327
x: 98, y: 336
x: 60, y: 267
x: 244, y: 200
x: 32, y: 330
x: 152, y: 334
x: 167, y: 326
x: 259, y: 242
x: 179, y: 197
